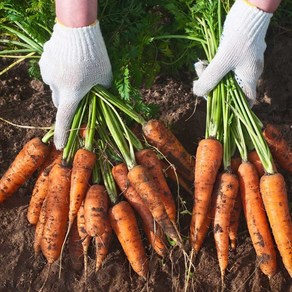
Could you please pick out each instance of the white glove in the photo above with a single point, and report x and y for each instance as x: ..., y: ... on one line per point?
x: 241, y: 50
x: 73, y: 61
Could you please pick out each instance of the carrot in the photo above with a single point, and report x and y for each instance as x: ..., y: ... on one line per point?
x: 57, y: 209
x: 75, y: 248
x: 52, y: 156
x: 234, y: 221
x: 254, y: 158
x: 83, y: 163
x: 225, y: 198
x: 235, y: 162
x: 83, y: 131
x: 274, y: 194
x: 279, y: 147
x: 144, y: 184
x: 256, y: 218
x: 85, y: 238
x: 95, y: 210
x: 124, y: 224
x: 208, y: 161
x: 149, y: 159
x: 27, y: 161
x: 39, y: 229
x: 170, y: 172
x: 200, y: 237
x: 153, y: 233
x: 161, y: 137
x: 102, y: 245
x: 236, y: 211
x: 39, y: 192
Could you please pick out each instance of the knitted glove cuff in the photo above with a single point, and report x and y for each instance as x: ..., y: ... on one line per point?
x: 81, y: 43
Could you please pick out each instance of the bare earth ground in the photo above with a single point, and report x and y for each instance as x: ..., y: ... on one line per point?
x: 27, y: 102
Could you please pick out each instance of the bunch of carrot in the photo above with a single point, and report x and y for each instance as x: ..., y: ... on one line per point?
x: 223, y: 187
x: 99, y: 183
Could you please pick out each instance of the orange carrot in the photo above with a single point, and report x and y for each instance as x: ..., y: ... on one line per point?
x: 83, y: 131
x: 144, y: 184
x: 85, y: 238
x: 57, y: 209
x: 39, y: 229
x: 235, y: 162
x: 236, y: 211
x: 102, y: 244
x: 161, y: 137
x: 225, y: 198
x: 254, y: 158
x: 170, y: 172
x: 75, y: 248
x: 234, y: 221
x: 208, y: 161
x: 256, y: 218
x: 153, y: 233
x: 39, y: 192
x: 83, y: 163
x: 149, y: 159
x: 279, y: 147
x: 124, y: 224
x: 95, y: 210
x: 27, y: 161
x: 52, y: 156
x: 200, y: 237
x: 274, y: 194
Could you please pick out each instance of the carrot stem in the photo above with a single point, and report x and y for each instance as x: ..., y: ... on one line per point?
x: 70, y: 148
x: 89, y: 137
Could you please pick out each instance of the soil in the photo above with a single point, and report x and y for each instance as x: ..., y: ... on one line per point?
x: 24, y: 101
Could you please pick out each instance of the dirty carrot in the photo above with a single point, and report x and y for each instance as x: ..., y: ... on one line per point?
x: 53, y: 155
x: 274, y: 194
x: 149, y: 159
x: 161, y: 137
x: 39, y: 229
x: 236, y: 211
x: 200, y: 237
x: 254, y: 158
x: 75, y: 248
x: 83, y: 164
x: 85, y: 238
x: 124, y: 224
x: 27, y: 161
x: 234, y: 221
x: 95, y: 210
x: 39, y: 192
x: 153, y: 231
x: 279, y: 147
x: 57, y: 209
x: 225, y: 198
x: 256, y: 218
x: 144, y: 184
x: 208, y: 161
x: 170, y: 172
x: 102, y: 244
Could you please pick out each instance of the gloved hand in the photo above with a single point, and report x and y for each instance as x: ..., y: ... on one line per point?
x: 241, y: 50
x: 73, y: 61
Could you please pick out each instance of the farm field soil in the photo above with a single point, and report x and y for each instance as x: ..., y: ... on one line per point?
x: 25, y: 101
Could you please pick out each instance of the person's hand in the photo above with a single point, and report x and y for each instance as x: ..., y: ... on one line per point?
x: 241, y: 50
x: 73, y: 61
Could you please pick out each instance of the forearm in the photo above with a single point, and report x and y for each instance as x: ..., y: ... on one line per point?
x: 76, y: 13
x: 266, y: 5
